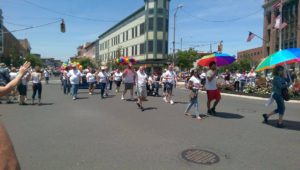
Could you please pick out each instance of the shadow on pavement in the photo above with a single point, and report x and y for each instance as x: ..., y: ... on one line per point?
x: 150, y: 108
x: 46, y: 104
x: 228, y: 115
x: 82, y: 98
x: 290, y: 125
x: 181, y: 102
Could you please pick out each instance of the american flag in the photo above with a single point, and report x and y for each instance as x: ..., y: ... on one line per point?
x: 277, y: 5
x: 250, y: 36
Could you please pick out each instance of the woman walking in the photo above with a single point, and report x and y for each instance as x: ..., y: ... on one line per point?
x: 36, y: 78
x: 279, y: 83
x: 65, y: 81
x: 194, y: 84
x: 91, y: 79
x: 118, y: 79
x: 22, y: 88
x: 102, y: 80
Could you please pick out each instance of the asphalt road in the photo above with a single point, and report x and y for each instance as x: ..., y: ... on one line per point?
x: 91, y: 133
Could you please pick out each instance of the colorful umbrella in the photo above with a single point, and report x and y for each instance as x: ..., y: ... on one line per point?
x: 221, y: 59
x: 287, y: 56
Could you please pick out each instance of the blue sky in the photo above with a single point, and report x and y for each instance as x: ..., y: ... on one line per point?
x: 195, y: 32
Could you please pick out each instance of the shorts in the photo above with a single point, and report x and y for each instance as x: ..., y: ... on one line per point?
x: 169, y: 87
x: 128, y: 86
x: 141, y: 91
x: 47, y: 78
x: 118, y: 83
x: 213, y: 95
x: 92, y: 84
x: 22, y: 89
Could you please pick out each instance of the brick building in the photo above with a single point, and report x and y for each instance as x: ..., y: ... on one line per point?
x: 290, y: 34
x: 254, y: 54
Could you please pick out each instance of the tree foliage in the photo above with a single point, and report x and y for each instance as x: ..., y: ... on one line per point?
x: 186, y: 58
x: 34, y: 60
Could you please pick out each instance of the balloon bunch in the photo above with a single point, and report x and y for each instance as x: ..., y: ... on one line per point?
x: 66, y: 65
x: 125, y: 60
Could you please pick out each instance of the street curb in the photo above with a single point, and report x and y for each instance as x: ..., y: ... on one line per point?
x: 246, y: 97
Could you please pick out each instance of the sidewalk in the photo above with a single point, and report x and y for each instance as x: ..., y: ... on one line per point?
x: 181, y: 85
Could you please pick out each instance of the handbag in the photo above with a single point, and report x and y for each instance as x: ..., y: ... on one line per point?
x: 285, y: 94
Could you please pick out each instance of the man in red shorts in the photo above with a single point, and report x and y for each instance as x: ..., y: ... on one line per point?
x: 211, y: 88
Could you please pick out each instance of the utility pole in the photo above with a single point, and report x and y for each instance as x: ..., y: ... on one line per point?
x: 174, y: 29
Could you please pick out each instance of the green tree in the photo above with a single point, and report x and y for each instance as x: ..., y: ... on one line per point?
x: 186, y: 58
x: 34, y: 60
x: 86, y: 62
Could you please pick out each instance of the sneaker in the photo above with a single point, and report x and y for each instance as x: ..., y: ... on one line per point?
x: 265, y: 116
x: 116, y: 91
x: 213, y: 110
x: 74, y: 98
x: 198, y: 117
x: 165, y: 99
x: 171, y: 102
x: 122, y: 98
x: 90, y: 93
x: 280, y: 125
x: 209, y: 112
x: 142, y: 109
x: 139, y: 105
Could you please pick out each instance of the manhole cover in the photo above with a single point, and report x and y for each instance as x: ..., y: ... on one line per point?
x: 199, y: 156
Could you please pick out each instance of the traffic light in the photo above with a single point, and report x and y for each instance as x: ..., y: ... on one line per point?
x: 62, y: 26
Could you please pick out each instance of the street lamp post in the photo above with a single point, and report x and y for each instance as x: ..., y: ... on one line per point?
x: 174, y: 29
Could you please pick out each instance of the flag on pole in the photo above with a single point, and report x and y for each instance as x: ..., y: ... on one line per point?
x: 279, y: 24
x: 277, y: 4
x: 250, y: 36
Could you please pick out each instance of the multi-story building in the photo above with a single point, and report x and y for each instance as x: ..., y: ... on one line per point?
x: 143, y: 34
x: 290, y: 34
x: 255, y: 55
x: 1, y: 33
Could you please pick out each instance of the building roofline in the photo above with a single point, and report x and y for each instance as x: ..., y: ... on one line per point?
x: 121, y: 22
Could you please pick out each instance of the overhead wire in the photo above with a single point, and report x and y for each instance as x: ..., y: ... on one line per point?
x: 32, y: 27
x: 225, y: 20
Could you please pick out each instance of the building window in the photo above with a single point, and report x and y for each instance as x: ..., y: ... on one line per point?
x: 142, y: 48
x: 142, y: 28
x: 159, y: 46
x: 136, y: 50
x: 123, y: 36
x: 150, y: 24
x: 167, y: 25
x: 126, y: 35
x: 132, y: 32
x: 160, y: 24
x: 160, y: 11
x: 151, y: 11
x: 150, y: 46
x: 136, y: 31
x: 166, y: 47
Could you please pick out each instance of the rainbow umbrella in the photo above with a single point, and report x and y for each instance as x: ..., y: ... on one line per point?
x: 282, y: 57
x: 221, y: 59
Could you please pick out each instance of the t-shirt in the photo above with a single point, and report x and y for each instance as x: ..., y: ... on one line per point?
x: 237, y: 76
x: 129, y: 76
x: 103, y: 77
x: 118, y: 76
x: 141, y: 79
x: 24, y: 79
x: 252, y: 75
x: 170, y: 76
x: 91, y: 78
x: 196, y: 82
x: 74, y: 76
x: 46, y: 73
x: 36, y: 77
x: 211, y: 85
x: 203, y: 75
x: 13, y: 75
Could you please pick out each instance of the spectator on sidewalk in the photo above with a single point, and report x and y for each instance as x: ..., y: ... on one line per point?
x: 252, y: 77
x: 237, y: 81
x: 227, y: 77
x: 242, y: 81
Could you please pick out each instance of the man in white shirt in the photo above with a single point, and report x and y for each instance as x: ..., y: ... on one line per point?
x: 211, y: 88
x: 91, y: 80
x: 102, y: 80
x: 75, y: 77
x: 129, y: 76
x: 141, y: 86
x: 170, y: 78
